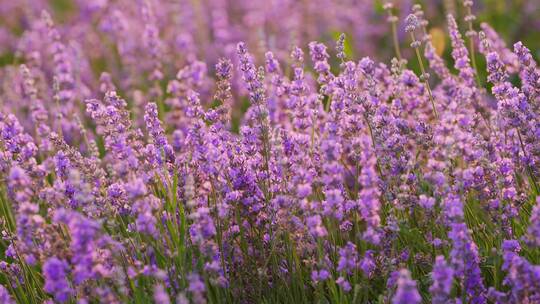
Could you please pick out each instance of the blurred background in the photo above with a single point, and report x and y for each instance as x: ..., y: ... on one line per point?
x: 278, y: 23
x: 108, y: 35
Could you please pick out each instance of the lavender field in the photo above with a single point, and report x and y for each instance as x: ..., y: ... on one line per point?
x: 276, y: 151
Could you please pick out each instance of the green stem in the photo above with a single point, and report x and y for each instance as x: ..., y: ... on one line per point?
x: 395, y: 39
x: 424, y: 78
x: 471, y: 48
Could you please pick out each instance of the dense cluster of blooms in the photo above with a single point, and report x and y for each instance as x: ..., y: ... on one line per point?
x: 142, y: 164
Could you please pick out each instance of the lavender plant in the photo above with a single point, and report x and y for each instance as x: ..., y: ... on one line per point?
x: 144, y: 160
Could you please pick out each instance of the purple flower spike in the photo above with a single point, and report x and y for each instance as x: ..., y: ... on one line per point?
x: 406, y: 292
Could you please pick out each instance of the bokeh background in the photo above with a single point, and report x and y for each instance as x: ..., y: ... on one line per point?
x: 107, y: 34
x: 276, y: 21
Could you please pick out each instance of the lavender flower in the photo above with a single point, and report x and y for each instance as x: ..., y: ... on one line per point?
x: 250, y: 75
x: 286, y: 181
x: 369, y: 195
x: 319, y: 276
x: 5, y: 297
x: 315, y: 226
x: 163, y: 149
x: 56, y: 282
x: 340, y: 47
x: 196, y: 288
x: 406, y: 292
x: 411, y: 23
x: 529, y: 73
x: 497, y: 43
x: 442, y: 279
x: 460, y: 53
x: 160, y: 295
x: 534, y: 226
x: 319, y: 56
x: 344, y: 284
x: 523, y: 278
x: 348, y: 258
x: 224, y: 73
x: 465, y: 260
